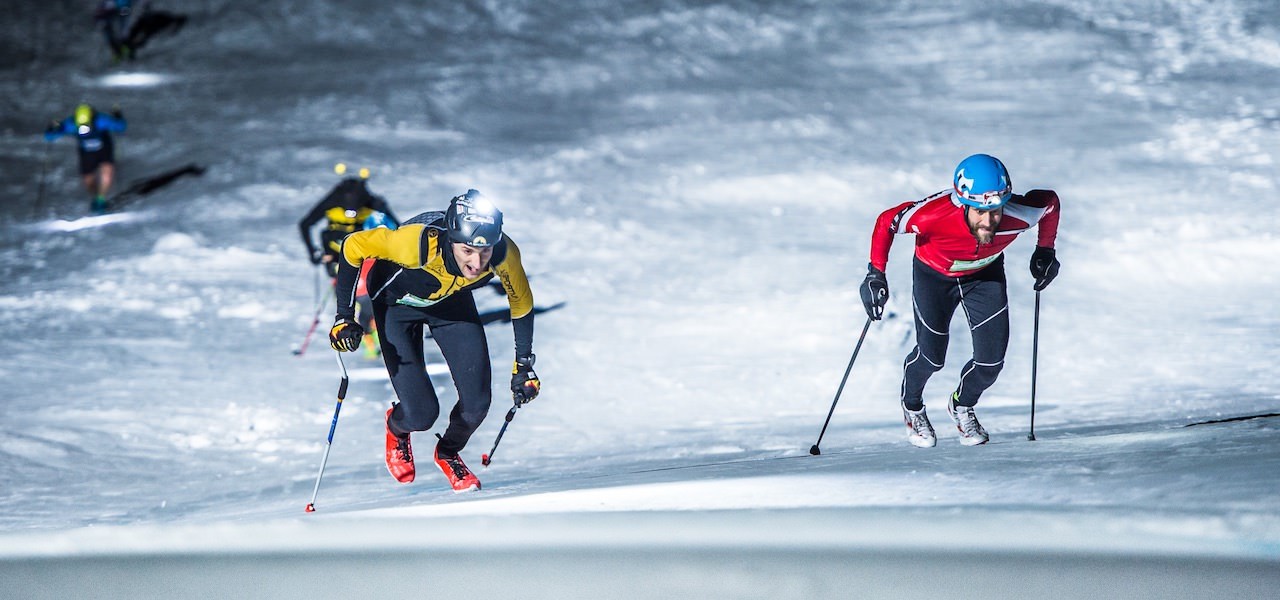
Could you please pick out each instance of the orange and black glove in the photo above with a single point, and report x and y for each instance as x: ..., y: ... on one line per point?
x: 345, y: 335
x: 524, y: 382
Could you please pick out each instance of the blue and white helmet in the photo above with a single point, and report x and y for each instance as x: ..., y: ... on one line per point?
x: 982, y: 182
x: 378, y: 219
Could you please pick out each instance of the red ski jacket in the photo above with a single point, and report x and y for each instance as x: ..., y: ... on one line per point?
x: 943, y: 240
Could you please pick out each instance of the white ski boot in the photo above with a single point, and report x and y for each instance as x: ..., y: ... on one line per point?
x: 971, y: 431
x: 919, y: 429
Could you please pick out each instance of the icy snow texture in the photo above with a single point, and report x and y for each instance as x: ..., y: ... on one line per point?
x: 696, y: 182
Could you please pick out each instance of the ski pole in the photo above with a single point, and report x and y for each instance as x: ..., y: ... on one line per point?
x: 485, y: 458
x: 314, y: 322
x: 44, y: 169
x: 342, y: 393
x: 814, y: 449
x: 1035, y: 347
x: 319, y: 282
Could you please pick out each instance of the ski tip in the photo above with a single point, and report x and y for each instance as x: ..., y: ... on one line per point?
x: 814, y: 450
x: 311, y: 508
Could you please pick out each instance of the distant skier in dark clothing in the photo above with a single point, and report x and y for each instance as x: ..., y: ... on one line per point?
x: 423, y: 279
x: 961, y: 234
x: 345, y: 208
x: 96, y: 148
x: 148, y: 23
x: 114, y: 17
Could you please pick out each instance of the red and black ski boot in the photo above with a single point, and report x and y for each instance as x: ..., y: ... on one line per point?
x: 399, y: 454
x: 460, y: 477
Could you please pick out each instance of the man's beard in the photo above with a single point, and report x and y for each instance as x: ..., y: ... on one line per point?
x: 984, y: 236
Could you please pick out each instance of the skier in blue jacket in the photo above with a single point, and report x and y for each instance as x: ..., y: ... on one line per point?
x: 96, y: 149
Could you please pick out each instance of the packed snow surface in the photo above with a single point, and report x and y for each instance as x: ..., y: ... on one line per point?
x: 692, y: 185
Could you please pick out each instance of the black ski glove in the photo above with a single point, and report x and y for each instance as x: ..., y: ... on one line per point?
x: 1044, y: 266
x: 524, y: 382
x: 875, y: 292
x: 345, y: 335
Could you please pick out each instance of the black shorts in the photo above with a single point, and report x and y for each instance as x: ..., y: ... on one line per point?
x: 90, y: 161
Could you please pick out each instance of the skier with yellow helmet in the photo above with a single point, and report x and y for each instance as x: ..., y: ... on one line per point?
x: 96, y: 149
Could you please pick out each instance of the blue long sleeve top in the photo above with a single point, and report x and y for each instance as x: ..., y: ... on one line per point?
x: 90, y: 136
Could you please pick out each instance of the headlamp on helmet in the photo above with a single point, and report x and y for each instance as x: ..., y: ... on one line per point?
x: 982, y: 182
x: 473, y: 220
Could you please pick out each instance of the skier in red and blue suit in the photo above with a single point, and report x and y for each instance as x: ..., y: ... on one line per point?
x: 961, y: 234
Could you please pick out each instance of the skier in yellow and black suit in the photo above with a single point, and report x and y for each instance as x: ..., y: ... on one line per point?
x: 424, y: 275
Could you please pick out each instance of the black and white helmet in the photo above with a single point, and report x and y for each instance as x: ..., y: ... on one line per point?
x: 473, y: 220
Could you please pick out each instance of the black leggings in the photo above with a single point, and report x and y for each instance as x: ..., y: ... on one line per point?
x: 984, y: 297
x: 456, y: 327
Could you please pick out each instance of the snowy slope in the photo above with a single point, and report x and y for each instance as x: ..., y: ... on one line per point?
x: 692, y: 185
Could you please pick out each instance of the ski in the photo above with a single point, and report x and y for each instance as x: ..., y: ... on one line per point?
x: 1234, y: 419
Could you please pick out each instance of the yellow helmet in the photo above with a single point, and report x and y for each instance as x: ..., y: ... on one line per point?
x: 84, y: 114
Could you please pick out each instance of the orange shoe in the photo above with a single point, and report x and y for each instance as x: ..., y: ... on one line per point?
x: 460, y: 477
x: 399, y: 454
